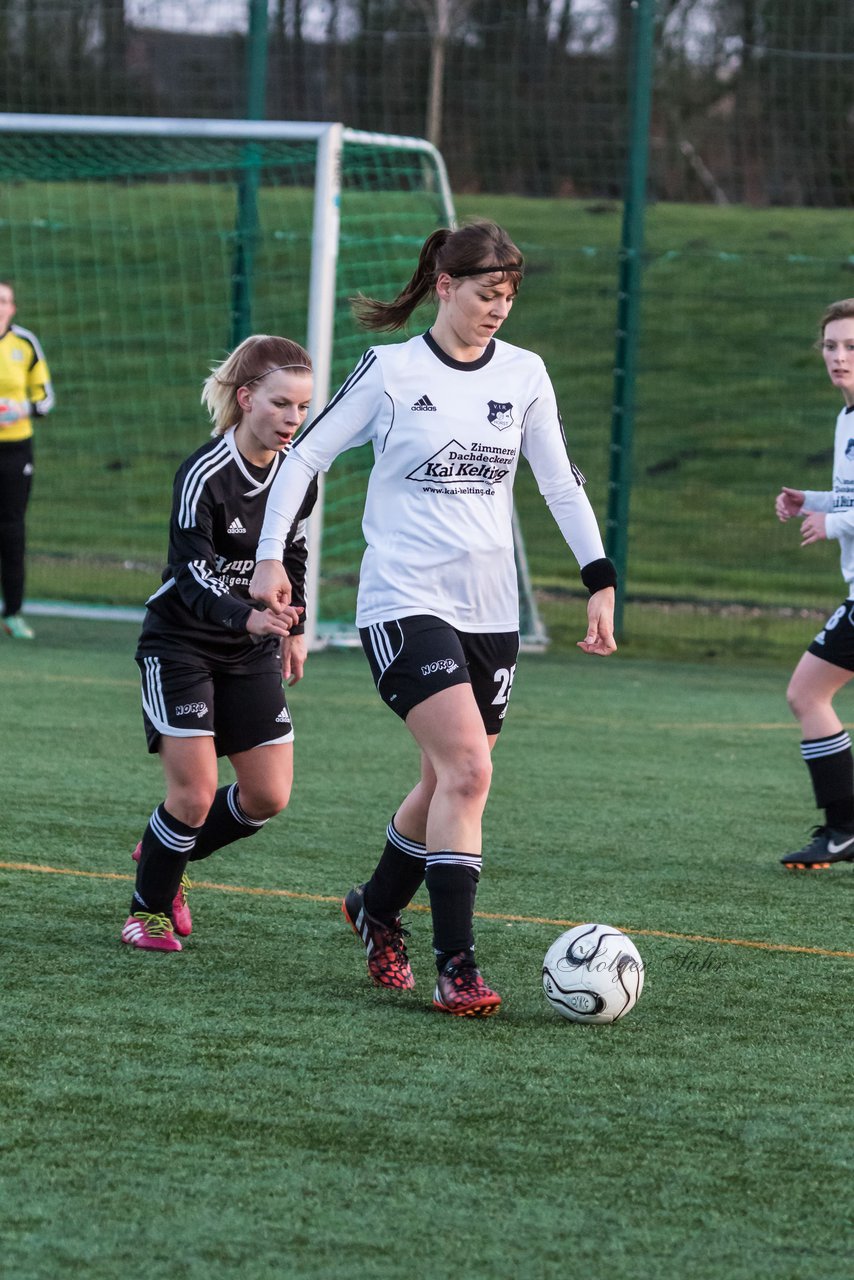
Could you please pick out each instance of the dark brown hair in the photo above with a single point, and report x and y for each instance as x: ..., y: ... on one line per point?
x: 475, y: 249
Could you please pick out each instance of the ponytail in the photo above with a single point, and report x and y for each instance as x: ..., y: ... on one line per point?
x: 389, y: 316
x: 475, y: 249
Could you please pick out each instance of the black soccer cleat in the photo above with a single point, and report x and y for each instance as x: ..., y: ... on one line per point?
x: 828, y: 845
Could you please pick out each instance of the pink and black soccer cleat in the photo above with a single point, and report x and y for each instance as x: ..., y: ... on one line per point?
x: 181, y: 917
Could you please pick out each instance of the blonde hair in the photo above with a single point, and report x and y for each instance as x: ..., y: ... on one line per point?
x: 256, y: 356
x: 479, y: 248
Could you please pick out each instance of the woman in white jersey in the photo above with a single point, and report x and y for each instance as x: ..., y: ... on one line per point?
x: 828, y: 663
x: 448, y: 413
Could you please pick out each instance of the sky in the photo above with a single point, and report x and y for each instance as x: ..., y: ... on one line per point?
x: 205, y: 16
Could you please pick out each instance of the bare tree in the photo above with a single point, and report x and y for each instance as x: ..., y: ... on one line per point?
x: 440, y: 16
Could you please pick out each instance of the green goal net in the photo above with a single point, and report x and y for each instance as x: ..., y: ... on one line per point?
x: 140, y: 251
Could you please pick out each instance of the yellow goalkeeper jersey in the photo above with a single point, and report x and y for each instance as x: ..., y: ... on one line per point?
x: 25, y: 388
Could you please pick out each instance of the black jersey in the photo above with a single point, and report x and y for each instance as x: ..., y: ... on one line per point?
x: 201, y: 610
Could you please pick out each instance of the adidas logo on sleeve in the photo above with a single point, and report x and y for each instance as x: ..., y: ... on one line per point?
x: 425, y: 404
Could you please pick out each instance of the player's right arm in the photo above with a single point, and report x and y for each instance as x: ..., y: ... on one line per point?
x: 347, y: 421
x: 270, y: 582
x: 789, y: 503
x: 207, y: 596
x: 193, y: 556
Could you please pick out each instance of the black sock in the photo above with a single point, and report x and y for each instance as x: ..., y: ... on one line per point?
x: 166, y: 848
x: 11, y: 565
x: 840, y: 814
x: 397, y: 876
x: 225, y: 823
x: 451, y: 880
x: 831, y: 767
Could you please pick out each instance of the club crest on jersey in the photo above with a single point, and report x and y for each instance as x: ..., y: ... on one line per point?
x: 500, y: 414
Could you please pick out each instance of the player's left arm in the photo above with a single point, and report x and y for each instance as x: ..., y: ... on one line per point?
x: 294, y: 654
x: 562, y: 486
x: 600, y: 623
x: 193, y: 557
x: 39, y: 385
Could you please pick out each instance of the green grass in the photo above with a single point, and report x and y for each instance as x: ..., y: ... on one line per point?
x: 253, y: 1108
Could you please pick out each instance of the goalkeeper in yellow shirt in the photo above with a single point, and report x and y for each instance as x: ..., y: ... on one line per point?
x: 25, y: 394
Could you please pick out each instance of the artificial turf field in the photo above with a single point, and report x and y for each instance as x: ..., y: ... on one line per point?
x: 254, y: 1108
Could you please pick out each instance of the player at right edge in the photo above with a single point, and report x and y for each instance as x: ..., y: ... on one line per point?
x: 828, y: 664
x: 448, y: 413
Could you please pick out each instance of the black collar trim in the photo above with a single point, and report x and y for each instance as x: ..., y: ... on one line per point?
x: 467, y: 366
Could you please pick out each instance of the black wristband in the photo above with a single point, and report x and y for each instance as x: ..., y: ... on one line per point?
x: 598, y: 574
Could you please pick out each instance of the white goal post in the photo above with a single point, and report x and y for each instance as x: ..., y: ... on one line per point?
x: 339, y: 152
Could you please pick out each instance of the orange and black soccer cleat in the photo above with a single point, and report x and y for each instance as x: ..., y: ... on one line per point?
x: 461, y: 990
x: 388, y: 963
x: 828, y: 845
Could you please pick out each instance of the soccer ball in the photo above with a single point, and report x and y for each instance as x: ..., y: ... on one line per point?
x: 593, y: 973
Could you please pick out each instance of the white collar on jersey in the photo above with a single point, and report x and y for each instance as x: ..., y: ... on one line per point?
x: 256, y: 486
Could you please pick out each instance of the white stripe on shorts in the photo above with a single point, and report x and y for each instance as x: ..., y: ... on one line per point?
x: 154, y: 705
x: 383, y: 645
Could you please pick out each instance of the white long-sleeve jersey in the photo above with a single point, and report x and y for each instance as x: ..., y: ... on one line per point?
x: 437, y: 521
x: 838, y: 502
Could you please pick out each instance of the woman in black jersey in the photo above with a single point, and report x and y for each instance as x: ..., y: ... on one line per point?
x: 213, y: 663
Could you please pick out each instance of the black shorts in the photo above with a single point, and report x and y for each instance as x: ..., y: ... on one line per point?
x: 238, y: 711
x: 835, y: 641
x: 16, y: 480
x: 413, y: 658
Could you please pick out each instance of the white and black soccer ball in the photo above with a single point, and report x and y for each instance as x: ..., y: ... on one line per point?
x: 593, y: 973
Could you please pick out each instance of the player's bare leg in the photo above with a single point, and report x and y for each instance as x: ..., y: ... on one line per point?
x: 449, y: 729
